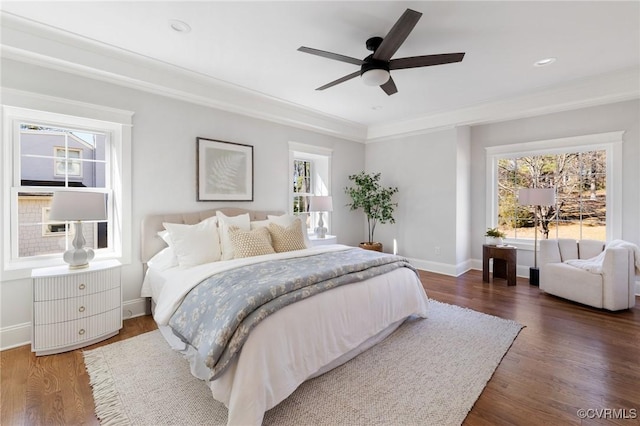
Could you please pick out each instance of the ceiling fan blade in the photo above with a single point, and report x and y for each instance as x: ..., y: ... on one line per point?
x: 340, y: 80
x: 397, y: 35
x: 425, y: 61
x: 334, y: 56
x: 389, y: 87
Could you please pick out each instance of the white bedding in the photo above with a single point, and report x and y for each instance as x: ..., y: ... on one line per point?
x: 299, y: 341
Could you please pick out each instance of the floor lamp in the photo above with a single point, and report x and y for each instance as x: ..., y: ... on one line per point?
x: 536, y: 197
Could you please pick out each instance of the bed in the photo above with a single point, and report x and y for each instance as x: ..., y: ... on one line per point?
x: 297, y: 341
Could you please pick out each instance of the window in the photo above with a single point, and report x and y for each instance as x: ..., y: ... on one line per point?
x: 69, y: 163
x: 45, y: 152
x: 579, y: 179
x: 309, y: 170
x: 37, y: 184
x: 584, y: 171
x: 301, y: 185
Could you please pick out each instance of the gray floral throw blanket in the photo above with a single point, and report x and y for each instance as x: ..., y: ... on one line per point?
x: 218, y: 314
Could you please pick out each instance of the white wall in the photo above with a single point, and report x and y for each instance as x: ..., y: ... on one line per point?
x: 425, y: 169
x: 164, y: 170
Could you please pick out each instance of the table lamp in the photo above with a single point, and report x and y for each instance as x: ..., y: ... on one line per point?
x: 77, y: 206
x: 321, y: 204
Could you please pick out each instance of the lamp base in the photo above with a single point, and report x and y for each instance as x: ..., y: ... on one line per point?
x: 534, y: 276
x: 78, y: 257
x: 321, y: 232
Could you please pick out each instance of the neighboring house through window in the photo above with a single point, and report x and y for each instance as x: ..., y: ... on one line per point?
x: 310, y: 170
x: 46, y: 152
x: 583, y: 170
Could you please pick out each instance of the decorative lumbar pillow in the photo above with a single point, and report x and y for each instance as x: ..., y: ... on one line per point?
x: 286, y: 220
x: 250, y: 243
x: 287, y: 239
x: 195, y: 244
x: 241, y: 221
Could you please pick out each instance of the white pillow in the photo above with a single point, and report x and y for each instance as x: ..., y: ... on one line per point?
x: 242, y: 221
x: 165, y: 237
x: 163, y: 260
x: 287, y: 219
x: 260, y: 224
x: 195, y: 244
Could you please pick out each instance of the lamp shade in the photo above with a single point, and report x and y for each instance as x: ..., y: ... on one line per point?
x: 72, y: 205
x: 321, y: 203
x: 536, y: 196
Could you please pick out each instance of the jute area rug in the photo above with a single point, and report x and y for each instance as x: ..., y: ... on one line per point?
x: 428, y: 372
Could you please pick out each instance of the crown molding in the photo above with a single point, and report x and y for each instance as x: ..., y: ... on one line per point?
x: 603, y: 89
x: 30, y: 42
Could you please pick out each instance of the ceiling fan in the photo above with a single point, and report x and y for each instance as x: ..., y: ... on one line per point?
x: 375, y: 68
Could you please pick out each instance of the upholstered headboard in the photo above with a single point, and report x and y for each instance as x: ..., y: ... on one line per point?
x: 151, y: 243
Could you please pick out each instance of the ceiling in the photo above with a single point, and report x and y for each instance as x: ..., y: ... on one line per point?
x: 253, y: 45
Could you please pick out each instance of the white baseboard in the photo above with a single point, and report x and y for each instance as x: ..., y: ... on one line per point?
x: 15, y: 335
x: 135, y: 308
x: 438, y: 268
x: 20, y: 334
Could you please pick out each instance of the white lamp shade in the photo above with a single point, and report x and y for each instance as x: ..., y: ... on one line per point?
x: 536, y: 197
x: 321, y: 203
x: 72, y: 205
x: 375, y: 77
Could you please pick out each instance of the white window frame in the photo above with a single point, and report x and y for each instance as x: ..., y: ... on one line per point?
x: 610, y: 142
x: 321, y: 175
x: 30, y: 107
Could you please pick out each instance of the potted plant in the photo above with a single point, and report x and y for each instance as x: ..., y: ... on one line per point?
x: 494, y: 236
x: 375, y: 200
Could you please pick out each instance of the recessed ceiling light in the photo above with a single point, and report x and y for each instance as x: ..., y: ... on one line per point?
x: 544, y: 62
x: 179, y: 26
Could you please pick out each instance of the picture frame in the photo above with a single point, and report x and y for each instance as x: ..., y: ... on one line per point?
x: 224, y: 170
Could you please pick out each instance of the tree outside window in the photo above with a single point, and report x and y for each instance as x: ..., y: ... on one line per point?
x: 580, y: 182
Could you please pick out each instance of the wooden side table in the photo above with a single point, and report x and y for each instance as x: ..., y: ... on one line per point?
x: 504, y: 262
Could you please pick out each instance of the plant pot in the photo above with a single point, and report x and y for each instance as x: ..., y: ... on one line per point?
x: 371, y: 246
x: 495, y: 241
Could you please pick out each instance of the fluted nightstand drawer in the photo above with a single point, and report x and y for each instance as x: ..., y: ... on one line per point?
x: 69, y: 333
x: 78, y: 284
x: 52, y: 311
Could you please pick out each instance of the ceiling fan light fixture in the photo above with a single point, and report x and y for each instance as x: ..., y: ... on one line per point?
x: 375, y: 77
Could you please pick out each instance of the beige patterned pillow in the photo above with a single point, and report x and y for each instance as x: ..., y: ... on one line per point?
x: 250, y: 243
x: 287, y: 239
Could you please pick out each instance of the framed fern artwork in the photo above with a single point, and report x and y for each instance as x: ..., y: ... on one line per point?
x: 225, y: 171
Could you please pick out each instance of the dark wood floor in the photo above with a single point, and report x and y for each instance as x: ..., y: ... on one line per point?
x: 569, y: 357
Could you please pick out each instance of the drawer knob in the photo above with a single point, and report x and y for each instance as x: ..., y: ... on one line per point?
x: 81, y: 332
x: 82, y: 287
x: 81, y: 309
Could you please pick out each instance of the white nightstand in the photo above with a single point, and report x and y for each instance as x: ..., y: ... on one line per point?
x: 73, y: 308
x: 328, y: 239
